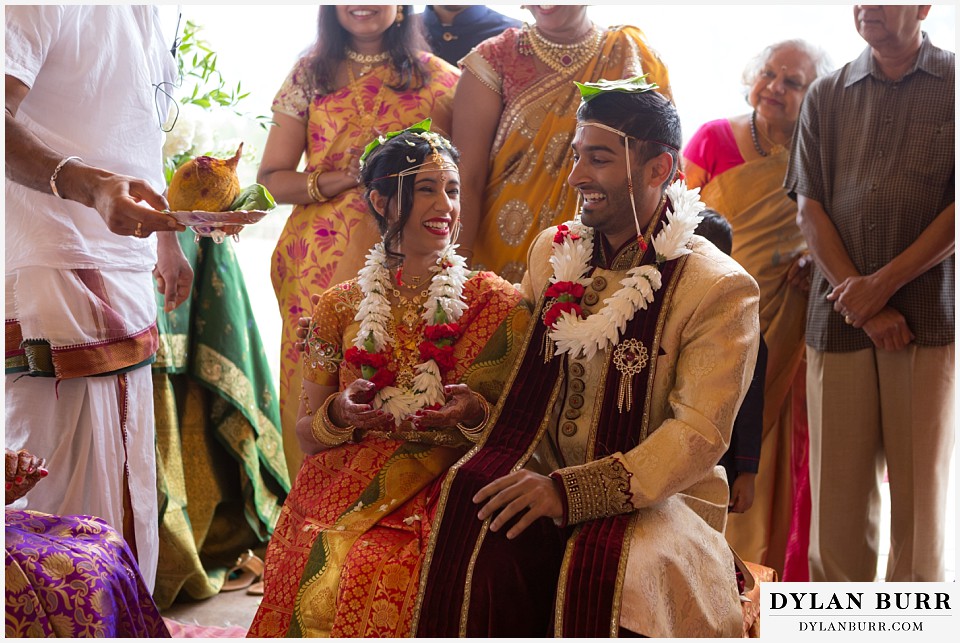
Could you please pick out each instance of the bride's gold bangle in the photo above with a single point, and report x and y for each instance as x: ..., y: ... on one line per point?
x: 325, y: 431
x: 473, y: 433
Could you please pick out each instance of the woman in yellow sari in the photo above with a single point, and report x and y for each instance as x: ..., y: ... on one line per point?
x: 740, y: 163
x: 514, y: 117
x: 400, y: 366
x: 368, y: 73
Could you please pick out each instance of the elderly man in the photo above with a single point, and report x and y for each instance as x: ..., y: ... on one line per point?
x: 618, y: 410
x: 873, y: 174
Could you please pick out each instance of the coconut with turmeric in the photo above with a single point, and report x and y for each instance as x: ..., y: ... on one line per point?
x: 205, y: 183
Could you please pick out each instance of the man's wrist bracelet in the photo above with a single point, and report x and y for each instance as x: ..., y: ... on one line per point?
x: 56, y: 173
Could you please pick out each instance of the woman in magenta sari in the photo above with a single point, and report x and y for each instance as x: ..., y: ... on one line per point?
x: 69, y: 576
x: 739, y: 164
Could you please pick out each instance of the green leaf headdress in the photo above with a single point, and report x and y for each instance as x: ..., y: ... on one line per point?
x: 422, y: 126
x: 635, y: 85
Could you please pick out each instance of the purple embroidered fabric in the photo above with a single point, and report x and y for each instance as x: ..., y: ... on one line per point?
x: 73, y: 576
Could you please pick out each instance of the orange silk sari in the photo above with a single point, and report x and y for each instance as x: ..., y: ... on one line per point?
x: 345, y: 557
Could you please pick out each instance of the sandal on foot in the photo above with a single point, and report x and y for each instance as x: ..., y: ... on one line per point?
x: 245, y: 571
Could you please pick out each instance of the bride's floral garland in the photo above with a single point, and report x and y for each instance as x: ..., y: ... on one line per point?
x: 441, y: 312
x: 572, y: 252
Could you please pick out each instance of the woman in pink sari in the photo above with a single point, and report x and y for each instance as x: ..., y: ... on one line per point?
x: 367, y: 74
x: 739, y: 164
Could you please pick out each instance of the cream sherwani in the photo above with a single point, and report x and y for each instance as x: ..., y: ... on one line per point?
x: 679, y: 579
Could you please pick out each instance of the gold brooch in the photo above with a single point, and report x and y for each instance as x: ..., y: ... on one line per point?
x: 630, y: 358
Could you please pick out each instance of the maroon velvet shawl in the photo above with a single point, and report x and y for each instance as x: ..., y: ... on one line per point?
x: 589, y: 589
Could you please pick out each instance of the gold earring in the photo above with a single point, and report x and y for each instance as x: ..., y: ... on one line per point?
x: 399, y: 18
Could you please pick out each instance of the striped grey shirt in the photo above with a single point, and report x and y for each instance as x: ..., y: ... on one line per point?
x: 879, y: 156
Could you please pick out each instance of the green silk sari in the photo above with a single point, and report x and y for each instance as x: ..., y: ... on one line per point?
x: 221, y: 474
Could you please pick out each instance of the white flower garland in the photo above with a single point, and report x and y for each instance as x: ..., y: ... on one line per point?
x: 444, y: 304
x: 571, y: 262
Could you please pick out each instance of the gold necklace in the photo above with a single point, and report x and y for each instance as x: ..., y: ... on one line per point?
x: 775, y: 148
x: 406, y: 353
x: 367, y: 61
x: 366, y: 119
x: 564, y: 57
x: 411, y: 308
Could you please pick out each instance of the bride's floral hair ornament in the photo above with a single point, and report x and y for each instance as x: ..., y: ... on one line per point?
x: 407, y: 158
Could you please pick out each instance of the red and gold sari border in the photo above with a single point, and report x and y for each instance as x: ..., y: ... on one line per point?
x: 16, y: 357
x: 37, y: 357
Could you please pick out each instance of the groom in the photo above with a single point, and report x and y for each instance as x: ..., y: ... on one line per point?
x: 593, y: 507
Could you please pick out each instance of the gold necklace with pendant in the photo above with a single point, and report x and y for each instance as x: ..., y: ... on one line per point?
x: 367, y: 61
x: 367, y: 120
x: 411, y: 308
x: 406, y: 352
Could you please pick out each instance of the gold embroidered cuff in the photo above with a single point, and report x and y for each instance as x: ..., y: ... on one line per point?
x: 325, y: 431
x: 595, y: 490
x: 473, y: 433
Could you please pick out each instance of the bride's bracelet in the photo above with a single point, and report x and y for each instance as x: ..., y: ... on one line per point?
x: 473, y: 433
x: 325, y: 431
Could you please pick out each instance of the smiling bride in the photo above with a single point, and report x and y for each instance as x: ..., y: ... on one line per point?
x: 400, y: 367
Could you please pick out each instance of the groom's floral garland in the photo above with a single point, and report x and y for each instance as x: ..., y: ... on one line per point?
x: 441, y: 312
x: 572, y: 252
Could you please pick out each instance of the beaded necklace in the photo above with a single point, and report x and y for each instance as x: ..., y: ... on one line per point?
x: 775, y: 148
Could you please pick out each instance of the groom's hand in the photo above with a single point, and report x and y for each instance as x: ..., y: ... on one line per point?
x: 521, y: 491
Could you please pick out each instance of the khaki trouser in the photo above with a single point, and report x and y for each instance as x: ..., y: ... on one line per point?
x: 865, y: 408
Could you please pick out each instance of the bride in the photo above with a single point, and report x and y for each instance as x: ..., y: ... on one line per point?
x: 401, y: 365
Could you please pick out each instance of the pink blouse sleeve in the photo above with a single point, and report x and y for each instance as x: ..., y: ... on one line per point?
x: 293, y: 98
x: 714, y: 148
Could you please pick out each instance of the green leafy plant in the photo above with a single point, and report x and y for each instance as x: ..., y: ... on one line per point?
x: 202, y: 87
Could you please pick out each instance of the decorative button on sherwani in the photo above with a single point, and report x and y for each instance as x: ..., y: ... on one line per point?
x: 599, y: 283
x: 576, y: 401
x: 569, y: 429
x: 576, y: 369
x: 571, y: 414
x: 590, y: 298
x: 577, y: 385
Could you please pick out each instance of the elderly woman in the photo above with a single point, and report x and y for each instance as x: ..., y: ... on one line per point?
x: 739, y: 163
x: 514, y: 116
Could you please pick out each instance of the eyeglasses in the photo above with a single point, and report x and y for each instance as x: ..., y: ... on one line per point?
x: 790, y: 83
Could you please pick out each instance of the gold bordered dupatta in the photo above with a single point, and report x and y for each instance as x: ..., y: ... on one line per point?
x: 590, y: 585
